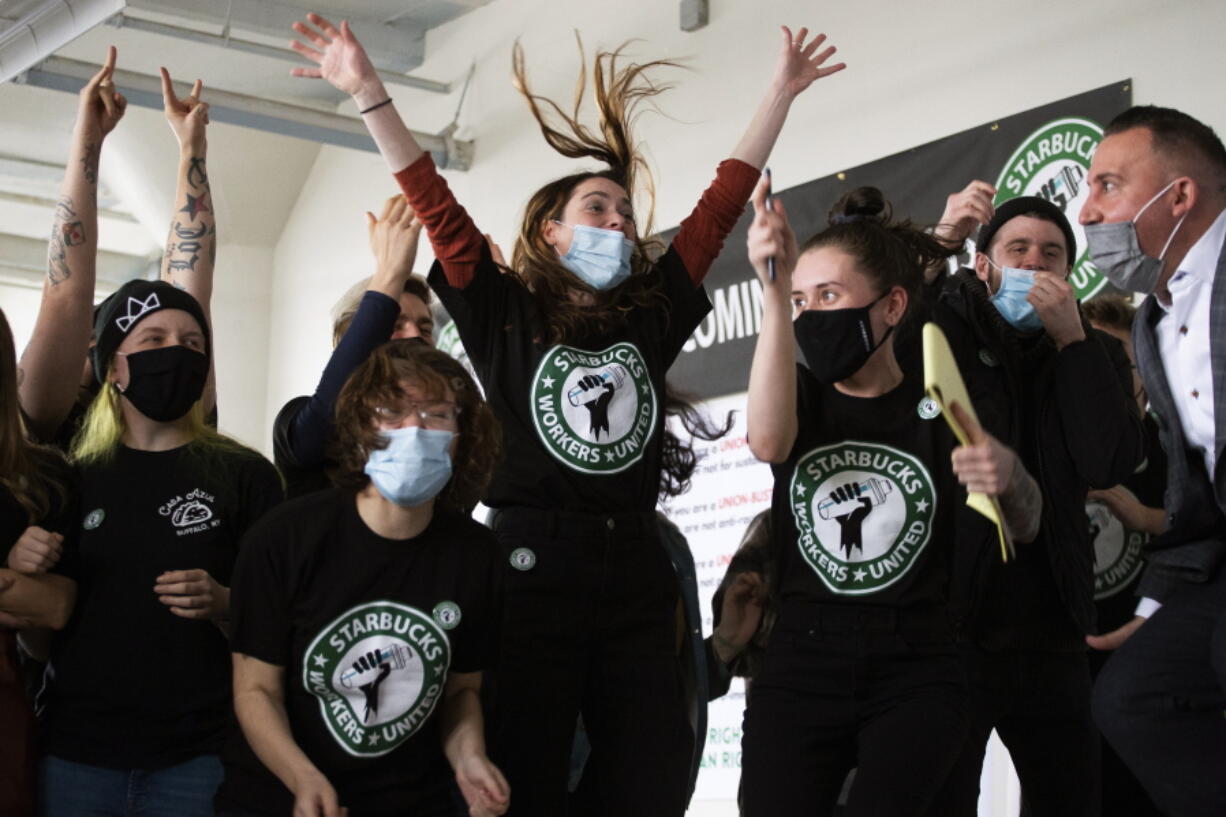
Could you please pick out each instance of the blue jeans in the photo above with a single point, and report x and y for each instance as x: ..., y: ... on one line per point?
x: 67, y: 789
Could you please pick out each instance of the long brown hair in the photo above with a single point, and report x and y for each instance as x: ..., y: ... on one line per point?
x: 31, y: 473
x: 617, y: 90
x: 376, y: 383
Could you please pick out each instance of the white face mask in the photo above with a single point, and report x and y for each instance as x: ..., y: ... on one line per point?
x: 1116, y: 252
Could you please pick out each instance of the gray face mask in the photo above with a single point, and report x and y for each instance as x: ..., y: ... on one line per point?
x: 1116, y: 252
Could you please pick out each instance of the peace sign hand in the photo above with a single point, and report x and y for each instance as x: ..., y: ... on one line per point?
x: 341, y: 59
x: 188, y: 117
x: 800, y: 64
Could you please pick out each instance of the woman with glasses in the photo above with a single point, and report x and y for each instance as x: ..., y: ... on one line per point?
x: 364, y: 614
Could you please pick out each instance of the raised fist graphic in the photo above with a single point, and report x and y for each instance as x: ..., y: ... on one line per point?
x: 375, y: 662
x: 595, y: 394
x: 851, y: 522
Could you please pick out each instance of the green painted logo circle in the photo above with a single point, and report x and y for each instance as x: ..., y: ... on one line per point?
x: 93, y: 519
x: 378, y: 670
x: 863, y: 513
x: 523, y: 559
x: 1117, y: 550
x: 447, y: 614
x: 1054, y: 163
x: 594, y: 411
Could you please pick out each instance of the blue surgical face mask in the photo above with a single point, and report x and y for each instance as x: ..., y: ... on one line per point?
x: 599, y: 258
x: 414, y: 466
x: 1010, y: 300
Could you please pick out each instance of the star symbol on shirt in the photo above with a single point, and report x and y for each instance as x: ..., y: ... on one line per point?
x: 646, y: 389
x: 547, y: 382
x: 320, y: 660
x: 921, y: 506
x: 373, y: 740
x: 800, y: 490
x: 858, y: 575
x: 608, y: 456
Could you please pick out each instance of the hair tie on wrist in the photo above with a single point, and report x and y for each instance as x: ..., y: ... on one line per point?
x: 376, y: 106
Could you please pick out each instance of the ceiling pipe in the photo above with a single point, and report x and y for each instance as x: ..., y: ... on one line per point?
x: 205, y: 38
x: 312, y: 124
x: 49, y: 28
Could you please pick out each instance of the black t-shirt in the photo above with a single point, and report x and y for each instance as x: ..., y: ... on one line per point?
x: 583, y: 421
x: 1118, y: 560
x: 367, y: 629
x: 863, y: 508
x: 131, y: 684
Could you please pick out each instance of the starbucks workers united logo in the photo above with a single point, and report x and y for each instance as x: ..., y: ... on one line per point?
x: 594, y: 411
x: 1054, y: 163
x: 863, y: 514
x: 378, y: 671
x: 1117, y: 550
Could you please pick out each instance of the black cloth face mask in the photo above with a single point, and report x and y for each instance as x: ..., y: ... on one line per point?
x: 836, y: 343
x: 164, y: 384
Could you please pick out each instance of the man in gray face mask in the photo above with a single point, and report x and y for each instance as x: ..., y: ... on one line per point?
x: 1156, y: 223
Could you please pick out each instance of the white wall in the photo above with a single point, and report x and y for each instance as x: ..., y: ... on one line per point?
x: 917, y: 71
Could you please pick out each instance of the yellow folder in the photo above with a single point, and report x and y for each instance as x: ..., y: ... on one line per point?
x: 943, y: 383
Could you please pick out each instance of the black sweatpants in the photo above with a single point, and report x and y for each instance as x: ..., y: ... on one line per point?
x: 847, y: 686
x: 1039, y: 704
x: 1161, y: 702
x: 590, y: 626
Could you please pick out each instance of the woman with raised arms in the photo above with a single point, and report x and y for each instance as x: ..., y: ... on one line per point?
x: 860, y: 670
x: 572, y: 344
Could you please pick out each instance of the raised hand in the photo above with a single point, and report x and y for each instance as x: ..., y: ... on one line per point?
x: 800, y: 64
x: 100, y: 106
x: 193, y: 594
x: 484, y: 788
x: 188, y: 117
x: 393, y: 241
x: 770, y: 236
x: 965, y: 211
x: 35, y: 551
x: 341, y: 59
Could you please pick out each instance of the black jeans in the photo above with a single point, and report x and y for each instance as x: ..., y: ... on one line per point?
x: 1039, y: 704
x: 847, y: 686
x: 590, y: 626
x: 1161, y: 702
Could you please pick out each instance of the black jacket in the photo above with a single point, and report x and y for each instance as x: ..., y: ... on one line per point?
x: 1071, y: 416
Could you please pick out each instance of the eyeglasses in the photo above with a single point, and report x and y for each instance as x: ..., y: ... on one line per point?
x: 437, y: 415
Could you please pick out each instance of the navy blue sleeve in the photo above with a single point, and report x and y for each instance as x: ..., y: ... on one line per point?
x: 312, y: 425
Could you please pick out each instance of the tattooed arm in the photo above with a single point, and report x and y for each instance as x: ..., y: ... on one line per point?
x: 191, y: 246
x: 53, y: 365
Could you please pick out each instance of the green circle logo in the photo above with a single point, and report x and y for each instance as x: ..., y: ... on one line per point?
x: 447, y: 614
x: 1054, y: 163
x: 928, y: 408
x: 594, y: 411
x: 1117, y: 550
x: 863, y: 514
x: 378, y: 671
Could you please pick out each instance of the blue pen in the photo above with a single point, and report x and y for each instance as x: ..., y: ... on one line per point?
x: 770, y: 262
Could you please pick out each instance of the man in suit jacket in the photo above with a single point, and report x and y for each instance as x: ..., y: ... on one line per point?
x: 1156, y: 223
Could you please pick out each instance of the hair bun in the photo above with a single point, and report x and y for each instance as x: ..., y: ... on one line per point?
x: 861, y: 204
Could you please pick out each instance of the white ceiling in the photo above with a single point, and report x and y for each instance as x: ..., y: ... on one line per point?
x: 256, y: 175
